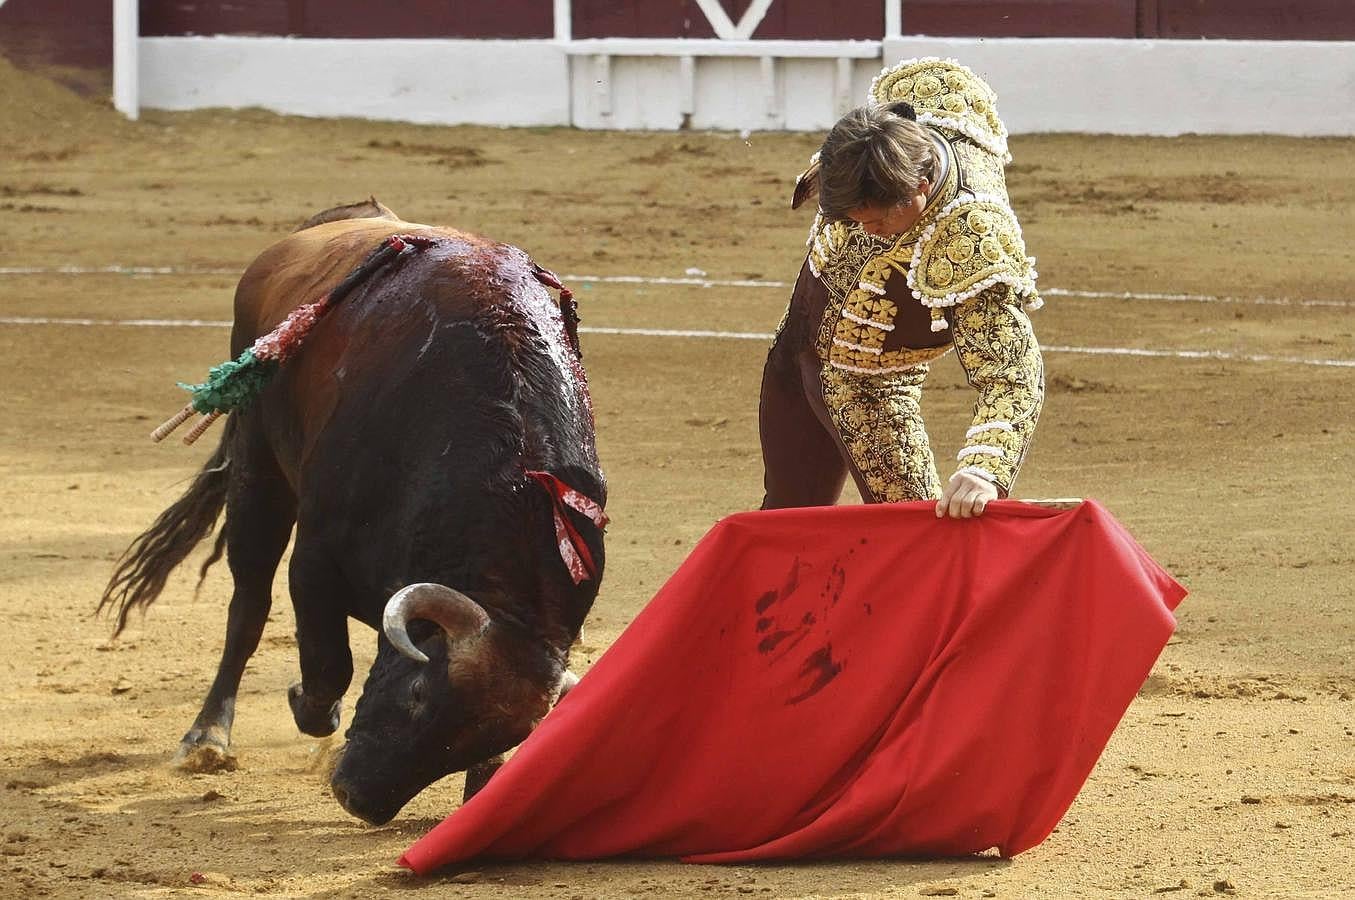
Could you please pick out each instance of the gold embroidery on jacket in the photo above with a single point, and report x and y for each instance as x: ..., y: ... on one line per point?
x: 996, y: 346
x: 965, y: 259
x: 879, y: 419
x: 947, y: 96
x: 973, y: 244
x: 856, y: 267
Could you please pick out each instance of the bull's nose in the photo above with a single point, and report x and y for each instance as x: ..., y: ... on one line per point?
x: 355, y: 805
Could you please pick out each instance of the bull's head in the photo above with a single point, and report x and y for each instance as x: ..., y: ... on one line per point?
x: 465, y: 692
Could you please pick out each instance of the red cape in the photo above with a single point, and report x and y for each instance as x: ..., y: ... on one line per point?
x: 840, y: 682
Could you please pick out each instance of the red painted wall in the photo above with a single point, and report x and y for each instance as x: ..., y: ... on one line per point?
x: 609, y: 18
x: 71, y: 40
x: 351, y: 18
x: 74, y: 37
x: 1314, y: 20
x: 1021, y: 18
x: 805, y: 19
x: 793, y: 19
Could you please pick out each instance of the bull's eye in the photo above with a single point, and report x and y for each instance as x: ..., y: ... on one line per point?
x: 416, y: 690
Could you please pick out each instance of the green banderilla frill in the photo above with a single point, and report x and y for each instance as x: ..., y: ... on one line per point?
x: 236, y: 384
x: 232, y: 385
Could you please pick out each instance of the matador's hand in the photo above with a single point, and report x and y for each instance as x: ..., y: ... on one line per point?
x: 966, y: 495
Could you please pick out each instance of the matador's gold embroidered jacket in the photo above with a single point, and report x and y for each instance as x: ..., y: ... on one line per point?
x: 960, y: 277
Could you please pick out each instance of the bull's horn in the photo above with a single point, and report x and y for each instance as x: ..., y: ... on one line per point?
x: 567, y: 681
x: 460, y: 616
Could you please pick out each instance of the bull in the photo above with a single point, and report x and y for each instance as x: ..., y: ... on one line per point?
x: 418, y: 447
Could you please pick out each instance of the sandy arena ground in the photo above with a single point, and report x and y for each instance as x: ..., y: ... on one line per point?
x: 1233, y: 773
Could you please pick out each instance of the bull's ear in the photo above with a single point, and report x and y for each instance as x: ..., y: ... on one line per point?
x: 382, y: 210
x: 806, y: 186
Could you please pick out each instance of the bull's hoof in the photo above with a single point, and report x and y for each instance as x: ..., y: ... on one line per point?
x: 205, y: 750
x: 314, y: 719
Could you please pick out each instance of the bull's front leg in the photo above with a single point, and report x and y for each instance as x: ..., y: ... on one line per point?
x: 320, y: 601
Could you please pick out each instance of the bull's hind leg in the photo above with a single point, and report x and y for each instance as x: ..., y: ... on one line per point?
x: 320, y: 600
x: 260, y: 511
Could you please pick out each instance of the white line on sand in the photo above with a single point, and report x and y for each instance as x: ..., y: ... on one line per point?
x: 715, y: 282
x: 115, y: 270
x: 732, y: 335
x: 125, y: 323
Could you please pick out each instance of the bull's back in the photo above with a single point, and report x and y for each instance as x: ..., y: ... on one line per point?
x: 418, y: 404
x: 297, y: 270
x: 363, y: 343
x: 303, y: 266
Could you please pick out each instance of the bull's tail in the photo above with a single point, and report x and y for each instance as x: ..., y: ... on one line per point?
x: 147, y: 562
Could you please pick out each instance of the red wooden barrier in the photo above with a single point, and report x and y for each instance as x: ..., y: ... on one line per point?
x: 1021, y: 18
x: 77, y: 34
x: 1301, y: 20
x: 787, y: 19
x: 351, y: 18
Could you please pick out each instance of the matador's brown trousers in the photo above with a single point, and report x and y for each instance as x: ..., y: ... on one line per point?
x: 819, y: 424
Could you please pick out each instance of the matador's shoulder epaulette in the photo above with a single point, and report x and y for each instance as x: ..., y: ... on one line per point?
x: 973, y: 244
x: 948, y: 96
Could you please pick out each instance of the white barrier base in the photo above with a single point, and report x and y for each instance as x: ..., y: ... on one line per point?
x: 1304, y: 88
x: 426, y: 81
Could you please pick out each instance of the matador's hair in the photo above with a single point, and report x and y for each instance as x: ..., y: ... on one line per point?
x: 873, y: 156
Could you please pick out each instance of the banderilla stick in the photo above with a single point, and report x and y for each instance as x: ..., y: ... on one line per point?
x: 202, y: 425
x: 173, y: 422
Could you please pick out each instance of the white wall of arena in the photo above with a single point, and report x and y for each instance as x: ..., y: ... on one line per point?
x: 1090, y: 85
